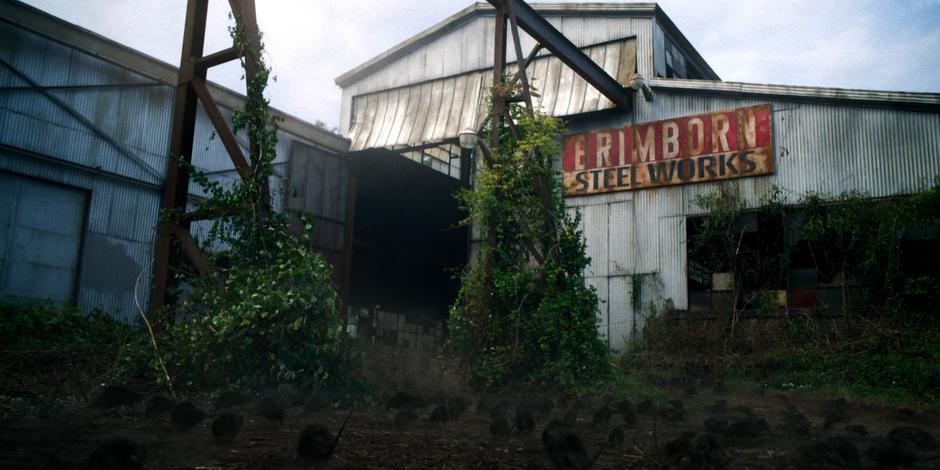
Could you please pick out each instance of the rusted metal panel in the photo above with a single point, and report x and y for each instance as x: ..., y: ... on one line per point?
x: 707, y: 147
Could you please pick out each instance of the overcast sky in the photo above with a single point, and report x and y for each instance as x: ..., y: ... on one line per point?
x: 869, y: 44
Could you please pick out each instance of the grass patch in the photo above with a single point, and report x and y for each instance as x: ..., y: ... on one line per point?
x: 899, y: 370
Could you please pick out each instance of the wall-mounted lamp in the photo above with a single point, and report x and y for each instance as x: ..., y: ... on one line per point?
x: 639, y: 84
x: 468, y: 139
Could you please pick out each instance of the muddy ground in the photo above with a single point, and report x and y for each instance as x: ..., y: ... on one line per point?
x: 71, y: 431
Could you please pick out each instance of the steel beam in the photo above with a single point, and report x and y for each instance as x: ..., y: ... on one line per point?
x: 546, y: 34
x: 221, y: 128
x: 216, y: 58
x: 176, y: 184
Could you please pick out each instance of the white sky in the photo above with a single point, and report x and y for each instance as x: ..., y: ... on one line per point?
x: 869, y: 44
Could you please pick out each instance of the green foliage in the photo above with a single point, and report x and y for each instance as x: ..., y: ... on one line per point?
x: 266, y: 313
x: 852, y: 239
x: 27, y: 325
x: 758, y: 264
x: 895, y: 363
x: 856, y: 236
x: 524, y: 314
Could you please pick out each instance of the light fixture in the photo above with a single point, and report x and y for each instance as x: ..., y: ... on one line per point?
x: 639, y: 84
x: 468, y: 139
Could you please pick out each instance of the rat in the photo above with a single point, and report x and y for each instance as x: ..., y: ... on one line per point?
x: 499, y: 427
x: 545, y: 407
x: 118, y: 453
x: 571, y: 417
x: 525, y: 423
x: 565, y: 449
x: 230, y: 399
x: 715, y: 425
x: 456, y: 407
x: 185, y: 415
x: 615, y: 438
x: 404, y: 400
x: 114, y: 396
x: 226, y: 426
x: 272, y: 406
x: 602, y: 416
x: 439, y: 415
x: 403, y: 418
x: 835, y: 412
x: 629, y: 418
x: 157, y: 405
x: 316, y: 443
x: 499, y: 410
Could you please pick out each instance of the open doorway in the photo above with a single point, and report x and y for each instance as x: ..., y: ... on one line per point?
x: 407, y: 249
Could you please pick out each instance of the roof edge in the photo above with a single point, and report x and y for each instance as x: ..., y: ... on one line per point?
x: 483, y: 8
x: 896, y: 99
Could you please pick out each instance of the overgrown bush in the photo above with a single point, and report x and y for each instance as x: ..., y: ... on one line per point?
x: 29, y: 325
x: 854, y: 235
x: 887, y: 362
x: 266, y: 313
x: 524, y: 313
x: 852, y: 240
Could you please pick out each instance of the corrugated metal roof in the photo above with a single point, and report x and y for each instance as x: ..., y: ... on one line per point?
x: 577, y: 11
x: 437, y: 110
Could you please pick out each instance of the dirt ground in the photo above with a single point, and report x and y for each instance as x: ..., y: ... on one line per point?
x: 67, y: 435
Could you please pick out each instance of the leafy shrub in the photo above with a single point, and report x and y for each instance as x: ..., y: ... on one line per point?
x: 266, y: 313
x: 27, y: 325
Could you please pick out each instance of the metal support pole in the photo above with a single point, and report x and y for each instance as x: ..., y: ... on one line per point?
x: 176, y: 185
x: 190, y: 89
x: 466, y: 159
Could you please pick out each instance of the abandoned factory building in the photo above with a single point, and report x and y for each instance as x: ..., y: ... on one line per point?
x: 634, y: 176
x: 84, y: 141
x: 84, y: 137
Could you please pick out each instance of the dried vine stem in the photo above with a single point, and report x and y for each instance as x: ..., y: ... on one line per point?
x: 153, y: 339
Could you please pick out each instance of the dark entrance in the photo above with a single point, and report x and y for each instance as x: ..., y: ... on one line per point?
x: 407, y: 249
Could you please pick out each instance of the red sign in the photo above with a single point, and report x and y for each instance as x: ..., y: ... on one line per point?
x: 705, y: 147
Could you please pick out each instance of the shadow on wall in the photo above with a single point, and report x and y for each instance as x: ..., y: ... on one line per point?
x: 107, y: 269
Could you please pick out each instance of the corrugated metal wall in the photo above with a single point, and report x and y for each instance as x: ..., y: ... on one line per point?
x: 106, y: 132
x: 820, y: 146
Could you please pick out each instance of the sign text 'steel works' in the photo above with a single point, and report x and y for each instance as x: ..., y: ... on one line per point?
x: 692, y: 149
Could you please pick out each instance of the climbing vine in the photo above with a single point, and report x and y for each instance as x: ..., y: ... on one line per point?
x: 524, y: 313
x: 266, y: 313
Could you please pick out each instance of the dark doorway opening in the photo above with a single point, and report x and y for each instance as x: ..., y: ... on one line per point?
x: 407, y: 249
